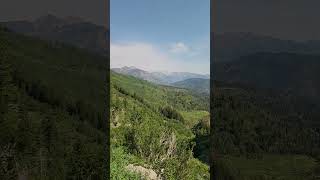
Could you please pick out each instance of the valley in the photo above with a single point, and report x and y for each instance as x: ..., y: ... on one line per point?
x: 154, y: 126
x: 163, y: 78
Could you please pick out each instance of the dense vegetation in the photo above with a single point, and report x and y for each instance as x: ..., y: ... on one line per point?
x: 151, y: 127
x: 264, y: 134
x: 196, y: 84
x: 51, y: 120
x: 294, y: 72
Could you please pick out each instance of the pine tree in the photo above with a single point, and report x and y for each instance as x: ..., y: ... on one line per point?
x: 48, y: 140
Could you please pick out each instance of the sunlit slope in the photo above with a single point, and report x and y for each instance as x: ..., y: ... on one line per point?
x: 147, y: 129
x: 157, y: 95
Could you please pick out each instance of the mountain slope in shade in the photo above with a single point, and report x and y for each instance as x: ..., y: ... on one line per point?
x: 158, y: 77
x: 55, y: 103
x: 71, y: 30
x: 229, y: 46
x: 297, y: 73
x: 195, y: 84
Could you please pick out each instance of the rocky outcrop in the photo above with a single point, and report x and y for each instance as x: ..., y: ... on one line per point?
x: 148, y: 174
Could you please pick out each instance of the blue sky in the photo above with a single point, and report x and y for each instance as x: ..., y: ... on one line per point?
x: 161, y: 35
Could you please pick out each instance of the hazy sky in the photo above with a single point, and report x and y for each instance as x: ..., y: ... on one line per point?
x: 166, y: 35
x: 286, y: 19
x: 92, y: 10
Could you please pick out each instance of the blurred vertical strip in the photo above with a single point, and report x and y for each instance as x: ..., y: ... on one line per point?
x: 107, y: 93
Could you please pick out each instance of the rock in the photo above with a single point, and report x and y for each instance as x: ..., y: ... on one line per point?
x: 149, y: 174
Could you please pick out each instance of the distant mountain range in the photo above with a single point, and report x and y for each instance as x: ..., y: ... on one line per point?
x: 70, y: 30
x: 230, y: 46
x: 81, y: 33
x: 247, y: 58
x: 158, y: 77
x: 266, y: 62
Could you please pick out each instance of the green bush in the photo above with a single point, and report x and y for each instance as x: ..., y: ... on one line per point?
x: 171, y: 113
x: 120, y: 159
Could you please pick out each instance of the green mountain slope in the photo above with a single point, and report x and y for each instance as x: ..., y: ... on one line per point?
x: 156, y: 95
x: 51, y: 119
x: 148, y: 127
x: 196, y: 84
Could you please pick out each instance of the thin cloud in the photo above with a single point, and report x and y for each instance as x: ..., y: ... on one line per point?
x: 140, y: 55
x: 179, y: 47
x: 148, y: 57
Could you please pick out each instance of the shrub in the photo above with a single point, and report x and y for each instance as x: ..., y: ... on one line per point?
x: 171, y: 113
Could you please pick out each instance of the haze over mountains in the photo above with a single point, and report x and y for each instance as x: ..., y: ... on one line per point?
x: 165, y: 78
x: 84, y: 34
x: 248, y: 58
x: 81, y: 33
x: 255, y: 60
x: 269, y: 63
x: 71, y: 30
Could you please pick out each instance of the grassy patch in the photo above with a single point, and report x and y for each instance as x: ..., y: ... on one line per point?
x: 120, y: 159
x: 193, y: 117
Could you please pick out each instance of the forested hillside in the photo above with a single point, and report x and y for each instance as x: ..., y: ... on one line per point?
x: 294, y: 72
x: 264, y: 134
x: 158, y: 129
x: 265, y: 108
x: 52, y: 116
x: 196, y: 84
x: 71, y: 30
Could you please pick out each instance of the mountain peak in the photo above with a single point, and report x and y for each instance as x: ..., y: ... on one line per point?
x: 130, y: 67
